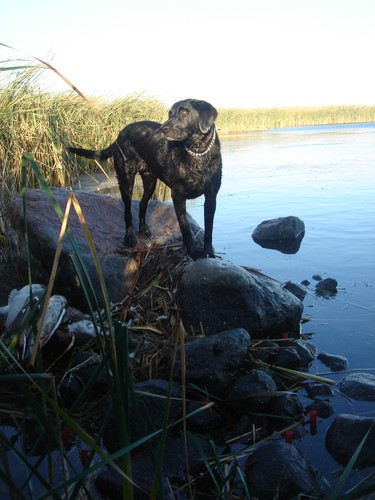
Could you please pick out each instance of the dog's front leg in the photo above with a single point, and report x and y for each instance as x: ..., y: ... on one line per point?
x: 180, y: 208
x: 209, y: 213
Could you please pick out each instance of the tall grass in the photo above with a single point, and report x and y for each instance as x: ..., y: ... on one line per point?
x: 245, y: 120
x: 45, y: 123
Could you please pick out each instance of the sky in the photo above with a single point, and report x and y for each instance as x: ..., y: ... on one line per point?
x: 232, y: 53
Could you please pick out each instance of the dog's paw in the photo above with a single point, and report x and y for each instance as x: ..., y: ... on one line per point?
x: 198, y: 254
x: 130, y: 240
x: 145, y: 231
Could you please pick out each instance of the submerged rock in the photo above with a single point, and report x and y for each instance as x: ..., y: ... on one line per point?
x: 345, y: 435
x: 284, y: 234
x: 326, y: 287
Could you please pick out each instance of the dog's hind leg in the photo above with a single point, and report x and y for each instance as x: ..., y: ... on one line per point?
x: 125, y: 177
x: 149, y: 183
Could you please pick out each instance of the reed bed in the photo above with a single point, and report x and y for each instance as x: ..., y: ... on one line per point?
x: 238, y: 120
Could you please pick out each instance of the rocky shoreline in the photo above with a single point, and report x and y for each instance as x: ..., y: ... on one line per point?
x: 241, y: 356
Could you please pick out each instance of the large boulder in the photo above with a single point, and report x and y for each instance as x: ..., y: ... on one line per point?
x: 345, y: 435
x: 279, y: 470
x: 104, y: 216
x: 217, y: 295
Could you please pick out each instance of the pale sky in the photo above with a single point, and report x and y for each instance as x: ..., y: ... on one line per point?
x: 232, y: 53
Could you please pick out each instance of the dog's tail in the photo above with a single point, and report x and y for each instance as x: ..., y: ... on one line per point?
x: 104, y: 154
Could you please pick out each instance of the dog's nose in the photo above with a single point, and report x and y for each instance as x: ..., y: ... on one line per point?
x: 165, y: 129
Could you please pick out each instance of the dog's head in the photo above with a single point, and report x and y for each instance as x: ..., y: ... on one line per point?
x: 188, y: 118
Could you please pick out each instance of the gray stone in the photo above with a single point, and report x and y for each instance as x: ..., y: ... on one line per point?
x: 323, y: 408
x: 326, y: 287
x: 317, y: 389
x: 217, y: 295
x: 345, y: 435
x: 286, y: 408
x: 282, y: 228
x: 279, y: 470
x: 284, y: 234
x: 249, y: 392
x: 212, y: 362
x: 359, y: 386
x: 333, y: 361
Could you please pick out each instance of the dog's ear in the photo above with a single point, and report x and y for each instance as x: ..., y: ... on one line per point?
x: 207, y: 115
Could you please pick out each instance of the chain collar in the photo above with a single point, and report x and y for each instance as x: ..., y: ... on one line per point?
x: 193, y: 153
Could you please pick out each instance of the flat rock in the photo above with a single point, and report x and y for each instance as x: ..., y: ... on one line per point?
x: 104, y: 216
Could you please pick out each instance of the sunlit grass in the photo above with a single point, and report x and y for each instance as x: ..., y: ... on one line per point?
x: 238, y: 120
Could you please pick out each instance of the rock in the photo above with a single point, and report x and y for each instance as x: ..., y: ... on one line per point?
x: 265, y: 351
x: 295, y: 354
x: 305, y: 349
x: 288, y: 358
x: 295, y: 289
x: 211, y: 363
x: 109, y: 483
x: 217, y: 295
x: 344, y: 436
x: 284, y: 234
x: 152, y: 397
x: 286, y: 409
x: 85, y: 368
x: 359, y: 386
x: 316, y: 277
x: 323, y: 408
x: 104, y: 216
x: 316, y: 389
x: 249, y: 392
x: 326, y: 287
x: 333, y: 361
x: 279, y: 470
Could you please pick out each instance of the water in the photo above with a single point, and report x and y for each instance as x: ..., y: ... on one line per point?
x: 326, y: 177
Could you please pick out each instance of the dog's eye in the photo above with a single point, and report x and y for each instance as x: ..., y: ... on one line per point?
x: 183, y: 112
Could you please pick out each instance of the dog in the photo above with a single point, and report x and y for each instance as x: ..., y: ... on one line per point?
x: 184, y: 153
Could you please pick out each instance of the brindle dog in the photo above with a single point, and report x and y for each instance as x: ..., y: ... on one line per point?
x: 184, y: 152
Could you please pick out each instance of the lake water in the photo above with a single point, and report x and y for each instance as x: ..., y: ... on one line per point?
x: 325, y: 176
